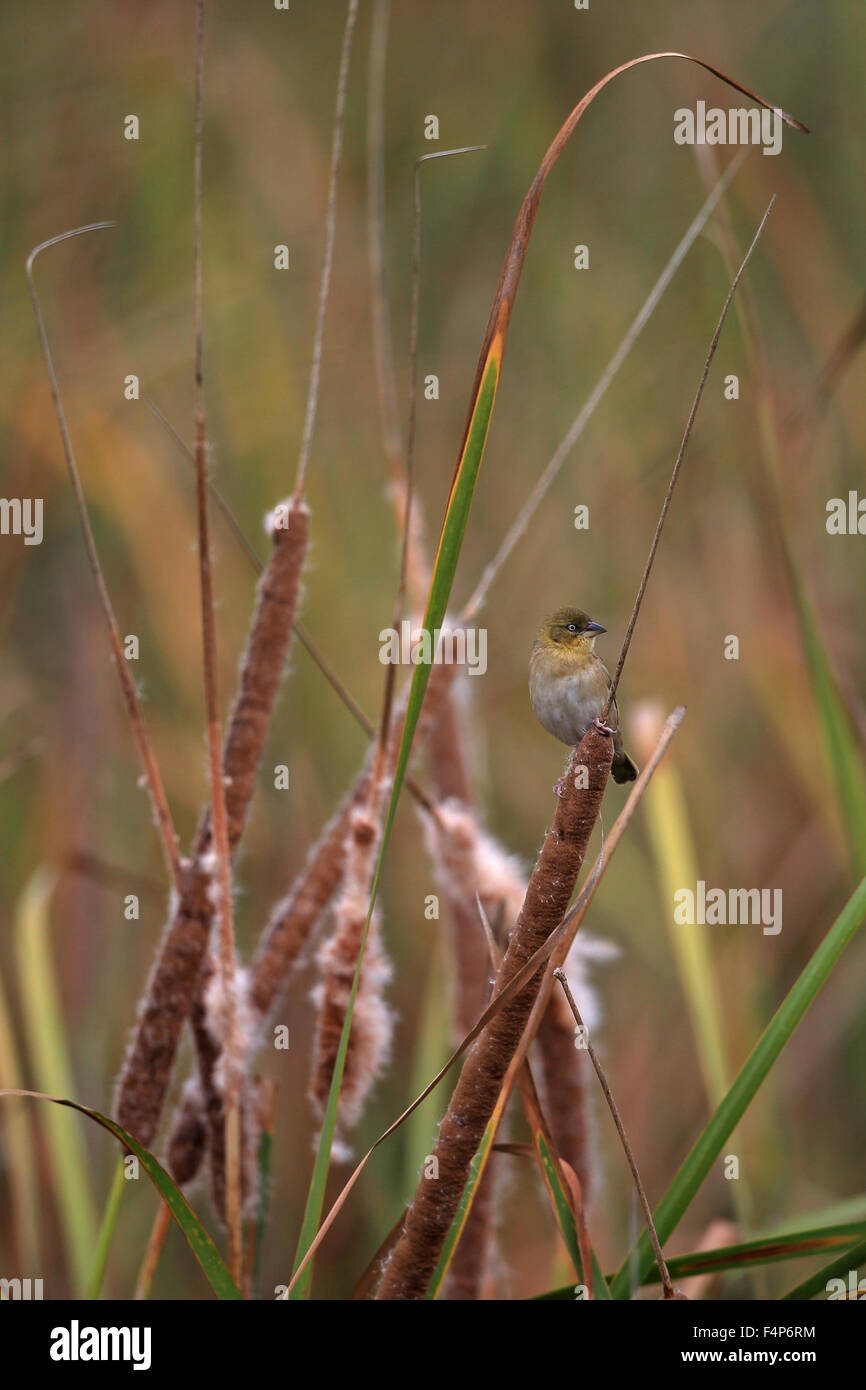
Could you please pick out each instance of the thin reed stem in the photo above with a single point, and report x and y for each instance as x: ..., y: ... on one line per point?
x: 678, y: 464
x: 318, y: 658
x: 328, y: 257
x: 214, y: 736
x: 383, y: 348
x: 561, y: 976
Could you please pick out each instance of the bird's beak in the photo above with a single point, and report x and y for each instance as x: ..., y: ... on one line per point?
x: 594, y: 627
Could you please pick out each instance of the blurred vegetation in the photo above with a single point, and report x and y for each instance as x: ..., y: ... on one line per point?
x: 756, y: 782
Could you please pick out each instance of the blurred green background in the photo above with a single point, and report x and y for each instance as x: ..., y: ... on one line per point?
x: 760, y: 798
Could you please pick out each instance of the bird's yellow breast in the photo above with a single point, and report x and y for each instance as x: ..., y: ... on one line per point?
x: 567, y: 690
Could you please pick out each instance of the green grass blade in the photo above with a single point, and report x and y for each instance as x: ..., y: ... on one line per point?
x: 843, y: 751
x: 796, y: 1246
x: 748, y: 1254
x: 841, y: 1268
x: 762, y: 1057
x: 560, y: 1203
x: 565, y: 1220
x: 846, y: 1212
x: 431, y: 1051
x: 667, y: 820
x: 844, y: 755
x: 20, y: 1151
x: 672, y: 842
x: 476, y: 1172
x: 106, y: 1232
x: 450, y: 542
x: 49, y: 1055
x: 197, y: 1238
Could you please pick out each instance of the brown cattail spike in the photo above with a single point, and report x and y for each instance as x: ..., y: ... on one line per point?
x: 370, y: 1037
x: 415, y: 1255
x: 149, y: 1060
x: 264, y: 661
x: 188, y: 1140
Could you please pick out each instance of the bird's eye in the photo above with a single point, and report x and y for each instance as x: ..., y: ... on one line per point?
x: 572, y: 627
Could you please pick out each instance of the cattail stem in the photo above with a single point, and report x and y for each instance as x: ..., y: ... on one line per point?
x: 159, y: 1231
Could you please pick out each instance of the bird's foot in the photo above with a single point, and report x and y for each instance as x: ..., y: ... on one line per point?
x: 602, y: 727
x: 559, y: 789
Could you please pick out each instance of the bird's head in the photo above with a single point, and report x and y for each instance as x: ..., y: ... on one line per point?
x: 571, y: 631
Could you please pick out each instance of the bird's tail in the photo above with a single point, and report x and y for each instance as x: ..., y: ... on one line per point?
x: 623, y: 769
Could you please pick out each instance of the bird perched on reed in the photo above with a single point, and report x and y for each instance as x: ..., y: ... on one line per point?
x: 569, y: 684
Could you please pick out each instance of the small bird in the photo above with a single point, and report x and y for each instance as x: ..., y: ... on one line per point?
x: 569, y: 684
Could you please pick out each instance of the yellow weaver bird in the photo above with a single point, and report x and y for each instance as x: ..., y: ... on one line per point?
x: 569, y: 684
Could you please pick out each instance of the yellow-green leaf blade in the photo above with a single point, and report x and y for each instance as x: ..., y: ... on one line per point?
x: 197, y: 1238
x: 762, y: 1057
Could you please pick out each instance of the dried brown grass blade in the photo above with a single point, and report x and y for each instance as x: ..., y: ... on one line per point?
x: 550, y: 472
x: 509, y: 279
x: 150, y: 767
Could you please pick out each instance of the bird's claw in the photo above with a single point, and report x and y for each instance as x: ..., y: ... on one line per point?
x: 602, y: 727
x: 559, y: 789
